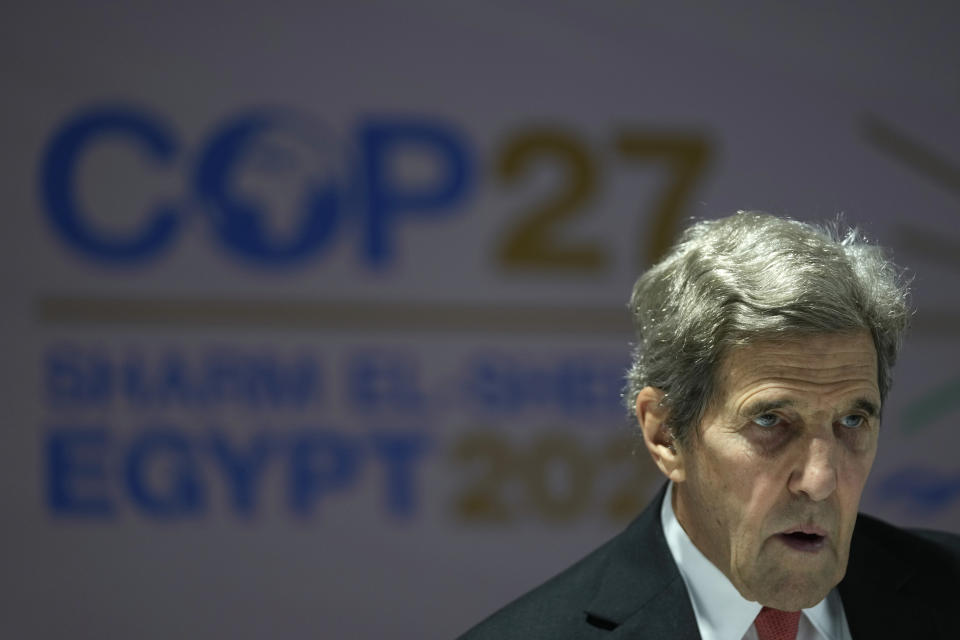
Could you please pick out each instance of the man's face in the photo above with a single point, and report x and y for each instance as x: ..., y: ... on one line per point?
x: 772, y: 479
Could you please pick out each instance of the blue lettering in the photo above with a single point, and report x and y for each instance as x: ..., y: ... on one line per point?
x: 243, y: 469
x: 133, y: 376
x: 321, y: 462
x: 383, y: 144
x: 174, y: 385
x: 574, y: 385
x: 164, y: 454
x: 487, y: 386
x: 59, y: 188
x: 239, y: 219
x: 77, y: 481
x: 382, y: 380
x: 73, y: 378
x: 268, y: 383
x: 163, y: 472
x: 399, y: 453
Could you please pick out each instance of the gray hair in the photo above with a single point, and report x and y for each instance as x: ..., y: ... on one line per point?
x: 748, y: 277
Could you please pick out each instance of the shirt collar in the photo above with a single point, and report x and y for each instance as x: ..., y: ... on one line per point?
x: 720, y: 609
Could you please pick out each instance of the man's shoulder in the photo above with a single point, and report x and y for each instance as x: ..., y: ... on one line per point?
x: 552, y: 609
x: 629, y: 574
x: 944, y: 541
x: 923, y: 548
x: 913, y: 570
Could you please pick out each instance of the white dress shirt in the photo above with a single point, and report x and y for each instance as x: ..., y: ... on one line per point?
x: 722, y: 613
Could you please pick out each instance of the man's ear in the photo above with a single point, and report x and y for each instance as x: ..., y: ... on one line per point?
x: 652, y: 418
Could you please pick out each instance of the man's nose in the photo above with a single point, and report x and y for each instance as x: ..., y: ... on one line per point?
x: 816, y: 472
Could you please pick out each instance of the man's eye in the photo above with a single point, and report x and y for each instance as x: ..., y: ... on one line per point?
x: 852, y: 421
x: 767, y: 420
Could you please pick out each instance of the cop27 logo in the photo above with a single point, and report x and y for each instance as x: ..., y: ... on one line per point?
x: 341, y: 185
x: 356, y: 186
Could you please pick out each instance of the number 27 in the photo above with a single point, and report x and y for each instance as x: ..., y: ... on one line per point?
x: 532, y: 242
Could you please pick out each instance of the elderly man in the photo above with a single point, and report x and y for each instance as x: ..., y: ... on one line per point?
x: 764, y: 355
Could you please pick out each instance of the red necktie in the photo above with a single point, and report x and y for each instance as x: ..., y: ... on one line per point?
x: 773, y: 624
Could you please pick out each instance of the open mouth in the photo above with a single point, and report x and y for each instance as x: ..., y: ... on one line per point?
x: 803, y: 541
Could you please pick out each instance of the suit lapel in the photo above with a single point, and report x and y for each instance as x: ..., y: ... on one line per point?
x: 875, y: 601
x: 666, y: 615
x: 642, y: 592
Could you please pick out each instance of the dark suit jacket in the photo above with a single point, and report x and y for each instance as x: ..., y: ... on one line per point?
x: 899, y: 584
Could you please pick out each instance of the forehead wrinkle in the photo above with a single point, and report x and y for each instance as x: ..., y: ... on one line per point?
x: 794, y: 396
x: 745, y: 369
x: 813, y: 365
x: 783, y: 370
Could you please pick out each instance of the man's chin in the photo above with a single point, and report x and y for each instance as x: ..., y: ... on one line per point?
x: 792, y: 591
x: 791, y: 599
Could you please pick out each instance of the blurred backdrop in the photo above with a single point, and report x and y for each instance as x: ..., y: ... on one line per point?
x: 313, y: 313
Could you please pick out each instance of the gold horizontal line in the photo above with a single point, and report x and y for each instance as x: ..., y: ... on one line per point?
x: 349, y: 315
x: 373, y: 316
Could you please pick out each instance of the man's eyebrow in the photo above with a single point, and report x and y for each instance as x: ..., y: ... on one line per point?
x: 765, y: 406
x: 867, y: 406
